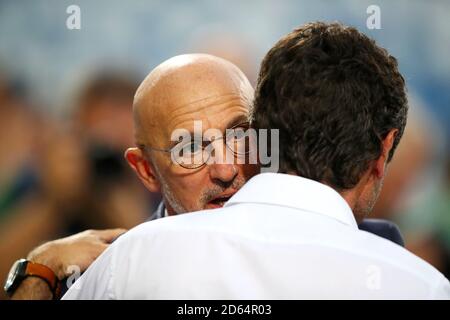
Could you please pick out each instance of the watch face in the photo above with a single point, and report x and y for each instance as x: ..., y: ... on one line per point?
x: 15, y: 275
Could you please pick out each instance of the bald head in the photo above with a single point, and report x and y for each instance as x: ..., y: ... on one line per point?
x: 187, y: 88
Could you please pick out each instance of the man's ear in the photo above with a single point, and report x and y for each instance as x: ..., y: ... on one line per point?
x: 387, y: 143
x: 143, y: 169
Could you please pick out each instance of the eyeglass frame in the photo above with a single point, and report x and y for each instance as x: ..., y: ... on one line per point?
x: 169, y: 150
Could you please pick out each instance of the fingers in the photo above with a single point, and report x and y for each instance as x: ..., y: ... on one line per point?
x: 110, y: 235
x: 98, y: 249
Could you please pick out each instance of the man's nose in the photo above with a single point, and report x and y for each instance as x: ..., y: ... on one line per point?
x: 221, y: 167
x: 223, y: 172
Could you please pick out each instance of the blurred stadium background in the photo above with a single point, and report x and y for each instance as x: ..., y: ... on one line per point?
x: 65, y: 106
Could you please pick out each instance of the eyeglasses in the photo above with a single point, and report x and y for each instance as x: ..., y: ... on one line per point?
x: 194, y: 154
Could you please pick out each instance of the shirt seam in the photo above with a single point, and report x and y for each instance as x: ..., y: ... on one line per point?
x: 110, y: 286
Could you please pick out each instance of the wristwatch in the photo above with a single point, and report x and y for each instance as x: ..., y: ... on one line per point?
x: 23, y: 269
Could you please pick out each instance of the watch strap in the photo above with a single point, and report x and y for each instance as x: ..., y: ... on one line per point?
x: 45, y: 273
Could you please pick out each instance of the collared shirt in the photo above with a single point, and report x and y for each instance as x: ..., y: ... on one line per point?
x: 279, y: 237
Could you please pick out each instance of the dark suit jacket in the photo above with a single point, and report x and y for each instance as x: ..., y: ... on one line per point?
x: 384, y: 229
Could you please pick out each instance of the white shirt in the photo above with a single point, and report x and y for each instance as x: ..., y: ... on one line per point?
x: 279, y: 237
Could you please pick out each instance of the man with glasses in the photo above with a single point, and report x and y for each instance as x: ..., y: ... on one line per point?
x: 191, y: 174
x: 179, y: 93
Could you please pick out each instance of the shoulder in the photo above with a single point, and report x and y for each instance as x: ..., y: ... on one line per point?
x: 148, y: 233
x: 395, y: 257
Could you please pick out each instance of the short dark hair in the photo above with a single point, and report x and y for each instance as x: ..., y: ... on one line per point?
x: 334, y: 95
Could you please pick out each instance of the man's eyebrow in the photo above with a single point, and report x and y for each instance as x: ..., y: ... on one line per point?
x: 236, y: 121
x: 175, y: 143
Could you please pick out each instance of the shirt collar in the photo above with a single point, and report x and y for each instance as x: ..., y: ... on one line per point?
x: 295, y: 192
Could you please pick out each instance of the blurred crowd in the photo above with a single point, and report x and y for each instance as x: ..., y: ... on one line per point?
x: 416, y: 190
x: 59, y: 176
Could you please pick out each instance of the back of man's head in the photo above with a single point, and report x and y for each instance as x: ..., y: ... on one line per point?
x: 335, y: 96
